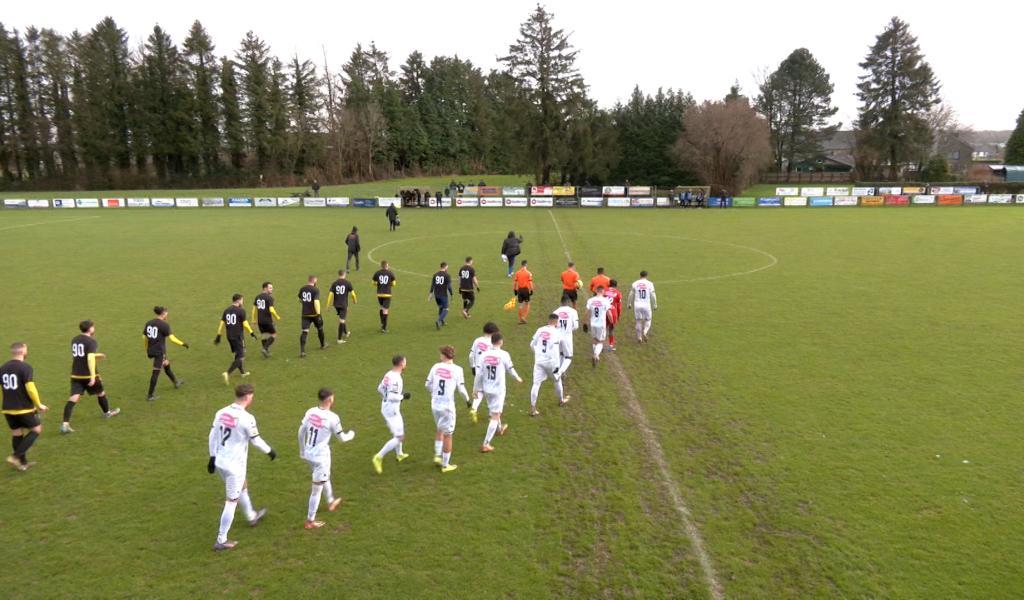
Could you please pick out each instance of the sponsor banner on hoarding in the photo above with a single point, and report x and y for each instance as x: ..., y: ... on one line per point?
x: 338, y: 202
x: 836, y: 191
x: 63, y: 203
x: 642, y: 203
x: 639, y: 190
x: 491, y: 202
x: 431, y: 202
x: 663, y: 201
x: 940, y: 190
x: 39, y: 204
x: 386, y: 202
x: 589, y: 191
x: 466, y: 202
x: 288, y: 201
x: 996, y: 199
x: 716, y: 202
x: 446, y: 202
x: 239, y: 202
x: 890, y: 191
x: 965, y: 191
x: 821, y: 200
x: 264, y: 202
x: 787, y: 191
x: 488, y: 190
x: 591, y: 202
x: 845, y: 200
x: 897, y: 200
x: 976, y: 199
x: 314, y: 202
x: 769, y: 201
x: 15, y: 203
x: 863, y: 191
x: 542, y: 190
x: 471, y: 191
x: 541, y: 202
x: 87, y: 202
x: 613, y: 190
x: 137, y: 202
x: 795, y: 200
x: 213, y: 202
x: 951, y: 200
x: 187, y: 202
x: 514, y: 191
x: 872, y: 201
x: 1019, y: 199
x: 563, y: 190
x: 911, y: 190
x: 567, y: 201
x: 618, y: 202
x: 516, y: 202
x: 113, y: 203
x: 811, y: 191
x: 161, y: 202
x: 923, y: 199
x: 367, y: 202
x: 744, y: 202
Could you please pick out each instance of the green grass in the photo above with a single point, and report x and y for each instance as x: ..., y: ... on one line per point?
x: 817, y: 414
x: 384, y: 187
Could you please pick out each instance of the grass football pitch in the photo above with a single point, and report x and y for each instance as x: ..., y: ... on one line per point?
x: 835, y: 395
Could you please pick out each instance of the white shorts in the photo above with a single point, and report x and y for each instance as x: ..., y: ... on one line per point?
x: 234, y: 482
x: 642, y: 313
x: 393, y: 417
x: 598, y: 333
x: 495, y: 402
x: 568, y: 346
x: 321, y: 466
x: 541, y: 371
x: 445, y: 419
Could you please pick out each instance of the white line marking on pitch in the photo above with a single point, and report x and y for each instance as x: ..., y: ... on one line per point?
x: 46, y: 223
x: 658, y: 455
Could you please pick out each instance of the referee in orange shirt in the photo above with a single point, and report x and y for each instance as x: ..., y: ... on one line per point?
x: 522, y: 286
x: 570, y: 283
x: 599, y: 280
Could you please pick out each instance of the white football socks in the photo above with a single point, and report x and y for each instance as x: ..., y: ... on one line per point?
x: 314, y: 501
x: 446, y: 457
x: 533, y: 393
x: 598, y: 348
x: 329, y: 490
x: 226, y: 518
x: 388, y: 447
x: 398, y: 446
x: 246, y: 503
x: 491, y: 428
x: 476, y: 402
x: 438, y: 444
x: 559, y: 390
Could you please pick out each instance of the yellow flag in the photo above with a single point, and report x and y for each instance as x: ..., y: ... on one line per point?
x: 511, y: 304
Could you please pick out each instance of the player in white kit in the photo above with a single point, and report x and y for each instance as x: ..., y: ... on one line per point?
x: 442, y: 381
x: 642, y: 296
x: 568, y: 323
x: 315, y: 431
x: 548, y: 348
x: 232, y: 431
x: 597, y: 310
x: 490, y: 384
x: 480, y: 345
x: 391, y: 395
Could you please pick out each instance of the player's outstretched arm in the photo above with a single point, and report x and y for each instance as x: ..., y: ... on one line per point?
x: 175, y: 340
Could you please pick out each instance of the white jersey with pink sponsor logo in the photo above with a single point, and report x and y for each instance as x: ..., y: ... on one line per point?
x: 642, y: 293
x: 442, y: 381
x: 480, y: 345
x: 316, y: 430
x: 490, y: 372
x: 568, y: 319
x: 548, y: 345
x: 597, y: 308
x: 232, y: 431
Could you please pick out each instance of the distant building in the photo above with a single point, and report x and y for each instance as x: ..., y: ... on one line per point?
x: 961, y: 150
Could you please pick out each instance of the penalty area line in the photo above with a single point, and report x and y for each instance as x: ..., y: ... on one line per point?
x: 47, y: 223
x: 657, y: 455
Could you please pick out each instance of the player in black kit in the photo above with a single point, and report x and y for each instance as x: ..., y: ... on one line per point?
x: 233, y: 321
x: 441, y: 290
x: 384, y: 279
x: 337, y: 296
x: 155, y: 334
x: 266, y: 314
x: 84, y: 377
x: 20, y: 405
x: 468, y: 286
x: 309, y: 296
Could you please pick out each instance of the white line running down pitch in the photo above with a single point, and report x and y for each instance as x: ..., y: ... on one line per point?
x: 658, y: 456
x: 46, y: 223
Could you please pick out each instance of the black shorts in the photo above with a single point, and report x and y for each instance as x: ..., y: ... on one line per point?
x: 318, y: 321
x: 158, y: 360
x: 569, y: 295
x: 342, y: 312
x: 468, y: 295
x: 24, y: 421
x: 266, y: 327
x: 81, y: 386
x: 384, y: 301
x: 523, y: 295
x: 237, y: 346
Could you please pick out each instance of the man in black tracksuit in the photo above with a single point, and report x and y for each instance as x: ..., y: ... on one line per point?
x: 352, y: 241
x: 510, y: 249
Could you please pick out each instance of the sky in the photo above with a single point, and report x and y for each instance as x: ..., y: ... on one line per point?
x: 699, y: 48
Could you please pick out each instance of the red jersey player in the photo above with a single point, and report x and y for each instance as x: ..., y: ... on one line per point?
x: 615, y: 296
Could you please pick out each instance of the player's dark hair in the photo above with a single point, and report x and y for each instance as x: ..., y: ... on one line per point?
x: 613, y: 283
x: 523, y: 263
x: 469, y: 258
x: 572, y: 264
x: 355, y: 229
x: 324, y: 394
x: 599, y: 288
x: 243, y: 390
x: 447, y: 352
x: 552, y: 317
x: 643, y: 273
x: 496, y: 337
x: 490, y: 328
x: 511, y: 234
x: 159, y: 310
x: 236, y: 297
x: 18, y: 347
x: 600, y: 270
x: 85, y: 325
x: 397, y: 360
x: 383, y: 264
x: 566, y: 301
x: 265, y: 284
x: 443, y: 264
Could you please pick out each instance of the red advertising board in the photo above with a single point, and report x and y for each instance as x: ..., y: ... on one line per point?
x: 951, y: 200
x: 897, y: 200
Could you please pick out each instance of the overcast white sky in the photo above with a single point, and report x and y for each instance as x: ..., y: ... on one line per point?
x: 698, y: 47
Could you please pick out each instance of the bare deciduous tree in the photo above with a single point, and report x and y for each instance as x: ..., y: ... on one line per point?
x: 725, y: 143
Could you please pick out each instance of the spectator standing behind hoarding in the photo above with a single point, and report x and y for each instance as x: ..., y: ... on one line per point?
x: 510, y: 250
x: 352, y: 241
x: 392, y: 214
x: 316, y: 188
x: 437, y: 196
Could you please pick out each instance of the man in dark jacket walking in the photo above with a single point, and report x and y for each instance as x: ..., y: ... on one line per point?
x: 352, y: 241
x: 392, y: 214
x: 510, y: 250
